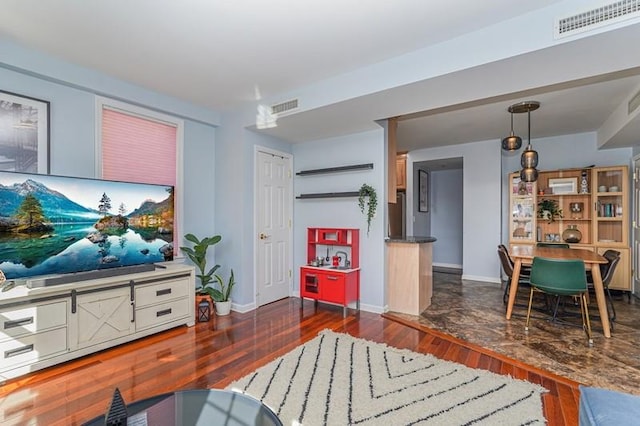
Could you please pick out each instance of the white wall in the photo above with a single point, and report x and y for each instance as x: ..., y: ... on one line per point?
x: 481, y: 204
x: 446, y: 208
x: 368, y: 147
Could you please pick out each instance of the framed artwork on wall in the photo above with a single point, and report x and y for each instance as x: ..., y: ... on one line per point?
x: 423, y: 191
x: 24, y: 133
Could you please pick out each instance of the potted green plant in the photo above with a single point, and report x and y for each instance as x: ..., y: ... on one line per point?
x: 222, y: 296
x: 198, y: 255
x: 548, y: 209
x: 367, y: 194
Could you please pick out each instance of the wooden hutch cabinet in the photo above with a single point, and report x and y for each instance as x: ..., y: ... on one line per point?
x: 593, y: 201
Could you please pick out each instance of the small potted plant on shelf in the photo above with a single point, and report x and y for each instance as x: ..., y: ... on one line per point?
x: 549, y: 210
x: 222, y: 296
x: 198, y: 255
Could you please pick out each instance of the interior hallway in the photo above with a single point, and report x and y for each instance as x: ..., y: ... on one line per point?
x: 474, y: 311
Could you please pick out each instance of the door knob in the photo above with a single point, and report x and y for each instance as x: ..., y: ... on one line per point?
x: 264, y: 236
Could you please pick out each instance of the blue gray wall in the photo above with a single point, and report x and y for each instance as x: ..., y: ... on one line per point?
x: 367, y: 147
x: 447, y: 216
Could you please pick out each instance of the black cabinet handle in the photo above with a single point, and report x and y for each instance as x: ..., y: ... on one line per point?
x: 163, y: 312
x: 18, y: 323
x: 18, y: 351
x: 163, y: 292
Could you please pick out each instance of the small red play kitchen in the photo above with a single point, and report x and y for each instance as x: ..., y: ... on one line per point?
x: 332, y: 272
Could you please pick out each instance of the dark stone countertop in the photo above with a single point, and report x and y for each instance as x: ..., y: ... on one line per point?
x: 410, y: 239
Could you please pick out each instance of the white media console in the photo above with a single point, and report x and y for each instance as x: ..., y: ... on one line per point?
x: 44, y: 326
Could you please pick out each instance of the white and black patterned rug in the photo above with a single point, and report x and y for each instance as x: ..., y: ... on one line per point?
x: 336, y: 379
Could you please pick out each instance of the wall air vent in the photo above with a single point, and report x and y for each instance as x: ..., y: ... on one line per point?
x: 595, y: 18
x: 285, y: 107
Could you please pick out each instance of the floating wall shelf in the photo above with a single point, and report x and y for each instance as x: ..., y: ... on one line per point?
x: 329, y: 195
x: 367, y: 166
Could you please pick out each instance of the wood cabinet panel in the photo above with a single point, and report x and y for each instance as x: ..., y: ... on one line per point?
x: 33, y: 347
x: 32, y: 319
x: 401, y: 171
x: 104, y: 316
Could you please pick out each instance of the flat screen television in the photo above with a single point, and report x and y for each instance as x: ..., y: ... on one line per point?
x: 51, y: 225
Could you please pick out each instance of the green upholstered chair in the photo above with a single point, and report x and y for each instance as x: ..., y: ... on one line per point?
x: 560, y: 277
x: 553, y: 245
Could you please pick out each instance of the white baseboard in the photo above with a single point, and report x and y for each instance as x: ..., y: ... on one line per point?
x: 243, y: 308
x: 373, y: 309
x: 447, y: 265
x: 483, y: 279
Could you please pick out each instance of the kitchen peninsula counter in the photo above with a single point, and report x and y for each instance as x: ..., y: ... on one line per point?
x: 409, y: 273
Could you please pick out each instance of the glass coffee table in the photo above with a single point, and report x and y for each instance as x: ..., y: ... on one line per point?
x: 196, y: 408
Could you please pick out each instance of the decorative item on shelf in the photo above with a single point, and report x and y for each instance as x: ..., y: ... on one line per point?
x: 572, y: 234
x: 522, y: 188
x: 204, y: 311
x: 529, y: 158
x: 552, y: 238
x: 548, y: 209
x: 584, y: 185
x: 564, y: 185
x: 511, y: 142
x: 368, y: 195
x: 576, y: 210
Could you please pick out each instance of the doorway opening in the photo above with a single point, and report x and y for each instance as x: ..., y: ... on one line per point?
x: 438, y: 209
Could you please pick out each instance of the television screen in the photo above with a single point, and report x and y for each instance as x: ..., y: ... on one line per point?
x: 59, y: 225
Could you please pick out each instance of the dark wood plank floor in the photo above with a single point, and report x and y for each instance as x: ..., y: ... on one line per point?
x: 212, y: 355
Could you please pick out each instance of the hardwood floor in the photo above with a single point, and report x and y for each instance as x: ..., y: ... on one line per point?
x: 213, y: 354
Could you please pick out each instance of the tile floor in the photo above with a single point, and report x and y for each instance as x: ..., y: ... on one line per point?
x: 474, y: 311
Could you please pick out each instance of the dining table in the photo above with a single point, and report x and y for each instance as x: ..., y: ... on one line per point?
x: 524, y: 254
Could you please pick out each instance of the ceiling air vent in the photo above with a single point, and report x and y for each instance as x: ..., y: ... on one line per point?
x: 596, y: 18
x: 284, y: 107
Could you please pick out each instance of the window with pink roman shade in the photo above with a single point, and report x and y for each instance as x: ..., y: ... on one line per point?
x: 137, y: 149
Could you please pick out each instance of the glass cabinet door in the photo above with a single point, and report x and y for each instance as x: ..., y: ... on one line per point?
x: 610, y: 185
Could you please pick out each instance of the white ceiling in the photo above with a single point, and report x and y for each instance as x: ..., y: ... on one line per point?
x: 226, y: 53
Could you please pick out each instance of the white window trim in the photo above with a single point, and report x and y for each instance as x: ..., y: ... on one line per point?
x: 102, y: 103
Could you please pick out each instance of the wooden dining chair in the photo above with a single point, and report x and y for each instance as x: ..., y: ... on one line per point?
x: 560, y: 277
x: 606, y: 272
x: 507, y: 267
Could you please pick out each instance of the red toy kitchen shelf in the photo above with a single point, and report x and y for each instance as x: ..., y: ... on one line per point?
x: 330, y: 283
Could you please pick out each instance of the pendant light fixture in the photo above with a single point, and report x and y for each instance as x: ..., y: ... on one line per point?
x: 511, y: 142
x: 529, y: 158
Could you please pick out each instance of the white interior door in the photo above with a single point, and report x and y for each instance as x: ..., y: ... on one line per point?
x: 636, y: 225
x: 273, y: 220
